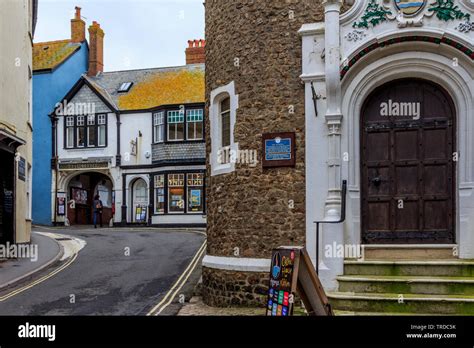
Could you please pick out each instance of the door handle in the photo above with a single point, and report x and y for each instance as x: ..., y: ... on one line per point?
x: 377, y: 181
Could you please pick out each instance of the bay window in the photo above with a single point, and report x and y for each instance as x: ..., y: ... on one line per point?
x: 69, y: 132
x: 175, y: 125
x: 102, y: 130
x: 85, y: 131
x: 91, y: 131
x: 159, y: 127
x: 81, y: 131
x: 194, y: 120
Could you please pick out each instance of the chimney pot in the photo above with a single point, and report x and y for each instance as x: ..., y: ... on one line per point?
x: 195, y: 53
x: 78, y: 12
x: 78, y: 27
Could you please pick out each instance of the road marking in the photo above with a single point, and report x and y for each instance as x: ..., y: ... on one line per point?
x: 71, y: 248
x: 179, y: 283
x: 46, y: 277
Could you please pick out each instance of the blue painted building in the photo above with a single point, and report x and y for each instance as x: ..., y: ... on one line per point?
x: 57, y: 66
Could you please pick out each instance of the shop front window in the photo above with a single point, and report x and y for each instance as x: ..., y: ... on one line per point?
x: 159, y: 194
x: 195, y: 193
x: 176, y: 193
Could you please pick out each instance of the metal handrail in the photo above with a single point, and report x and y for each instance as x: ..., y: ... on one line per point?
x: 341, y: 220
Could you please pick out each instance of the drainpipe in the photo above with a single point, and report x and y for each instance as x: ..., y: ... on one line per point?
x: 54, y: 122
x: 118, y: 161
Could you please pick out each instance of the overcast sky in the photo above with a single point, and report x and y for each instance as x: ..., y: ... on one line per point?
x: 138, y: 33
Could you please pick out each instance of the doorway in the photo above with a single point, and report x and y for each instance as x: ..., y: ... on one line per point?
x: 140, y: 201
x: 408, y: 157
x: 82, y: 189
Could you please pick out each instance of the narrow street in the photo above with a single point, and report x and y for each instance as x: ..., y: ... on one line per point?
x: 118, y: 272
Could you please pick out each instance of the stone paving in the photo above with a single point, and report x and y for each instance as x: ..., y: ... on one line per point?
x: 196, y: 307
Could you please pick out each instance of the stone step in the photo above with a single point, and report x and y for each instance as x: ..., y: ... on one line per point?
x: 407, y: 285
x: 411, y: 252
x: 410, y: 304
x: 376, y: 314
x: 443, y: 268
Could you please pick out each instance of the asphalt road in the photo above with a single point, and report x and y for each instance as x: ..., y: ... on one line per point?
x: 105, y: 281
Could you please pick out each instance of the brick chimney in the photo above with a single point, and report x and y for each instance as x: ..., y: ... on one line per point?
x: 96, y: 49
x: 196, y: 52
x: 78, y: 27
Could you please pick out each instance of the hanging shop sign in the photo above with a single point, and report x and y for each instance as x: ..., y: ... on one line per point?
x: 279, y: 150
x: 291, y: 273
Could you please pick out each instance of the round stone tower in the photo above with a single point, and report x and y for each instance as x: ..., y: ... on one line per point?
x: 253, y: 87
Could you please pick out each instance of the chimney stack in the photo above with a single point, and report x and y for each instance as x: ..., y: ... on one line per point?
x: 96, y: 49
x: 78, y: 27
x: 196, y: 52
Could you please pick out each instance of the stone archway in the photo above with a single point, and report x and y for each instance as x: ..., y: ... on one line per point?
x: 80, y: 189
x: 437, y: 68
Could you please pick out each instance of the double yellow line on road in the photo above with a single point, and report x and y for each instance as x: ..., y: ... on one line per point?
x: 36, y: 282
x: 169, y: 297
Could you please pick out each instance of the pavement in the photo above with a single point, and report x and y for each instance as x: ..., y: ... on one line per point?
x: 48, y: 252
x: 196, y: 307
x: 110, y: 271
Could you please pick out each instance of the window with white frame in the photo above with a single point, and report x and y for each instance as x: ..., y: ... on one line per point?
x: 222, y: 118
x: 160, y: 194
x: 91, y: 131
x: 81, y: 131
x: 85, y: 131
x: 69, y: 132
x: 175, y: 125
x: 159, y: 127
x: 194, y: 121
x: 102, y: 130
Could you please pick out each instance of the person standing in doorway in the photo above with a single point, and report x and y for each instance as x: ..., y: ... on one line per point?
x: 97, y: 210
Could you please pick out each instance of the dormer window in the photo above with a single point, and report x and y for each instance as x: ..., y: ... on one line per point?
x: 125, y: 87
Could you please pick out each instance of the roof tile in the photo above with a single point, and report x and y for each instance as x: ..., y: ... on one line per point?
x: 48, y: 55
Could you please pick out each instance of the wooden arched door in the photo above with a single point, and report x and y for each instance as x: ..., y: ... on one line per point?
x: 408, y: 157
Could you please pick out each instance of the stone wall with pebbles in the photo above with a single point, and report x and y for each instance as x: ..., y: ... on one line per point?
x: 256, y: 44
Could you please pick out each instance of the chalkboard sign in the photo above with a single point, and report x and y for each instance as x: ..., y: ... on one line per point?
x: 283, y: 278
x: 278, y: 150
x: 291, y: 273
x: 22, y: 169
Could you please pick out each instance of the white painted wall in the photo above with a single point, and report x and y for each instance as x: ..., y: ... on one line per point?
x: 427, y: 61
x: 132, y: 125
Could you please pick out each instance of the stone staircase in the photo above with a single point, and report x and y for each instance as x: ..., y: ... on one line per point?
x: 405, y: 282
